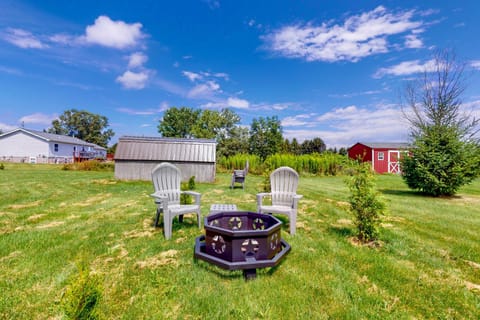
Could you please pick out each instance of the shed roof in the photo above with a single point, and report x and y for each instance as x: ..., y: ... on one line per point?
x: 51, y: 137
x: 165, y: 149
x: 386, y: 145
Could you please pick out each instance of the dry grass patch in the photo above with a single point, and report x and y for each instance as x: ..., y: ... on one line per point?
x: 11, y: 255
x: 472, y: 286
x: 95, y: 199
x: 163, y: 259
x: 51, y: 225
x: 138, y: 234
x: 36, y: 217
x: 472, y: 264
x: 25, y: 205
x: 105, y: 182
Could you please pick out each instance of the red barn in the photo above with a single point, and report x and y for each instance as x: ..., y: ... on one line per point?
x: 385, y: 157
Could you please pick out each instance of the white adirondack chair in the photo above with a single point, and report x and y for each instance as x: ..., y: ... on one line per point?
x: 166, y: 180
x: 284, y: 183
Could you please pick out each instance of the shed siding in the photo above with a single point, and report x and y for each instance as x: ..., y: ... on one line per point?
x: 380, y: 166
x: 136, y: 157
x: 142, y: 170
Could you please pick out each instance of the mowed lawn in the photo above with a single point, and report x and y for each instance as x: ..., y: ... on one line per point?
x: 428, y: 264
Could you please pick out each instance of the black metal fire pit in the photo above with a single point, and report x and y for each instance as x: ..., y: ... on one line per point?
x: 242, y: 241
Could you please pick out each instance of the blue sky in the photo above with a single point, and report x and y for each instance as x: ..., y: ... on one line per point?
x: 328, y: 69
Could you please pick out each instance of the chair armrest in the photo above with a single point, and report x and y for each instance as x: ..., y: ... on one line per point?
x: 295, y: 200
x: 160, y: 198
x: 260, y: 197
x: 194, y: 194
x: 159, y: 195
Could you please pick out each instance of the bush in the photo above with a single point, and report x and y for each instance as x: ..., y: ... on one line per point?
x: 90, y: 165
x: 82, y: 295
x: 441, y: 163
x: 2, y: 167
x: 365, y: 205
x: 190, y: 185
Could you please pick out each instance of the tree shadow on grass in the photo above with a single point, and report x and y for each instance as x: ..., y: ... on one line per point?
x: 342, y: 231
x: 402, y: 193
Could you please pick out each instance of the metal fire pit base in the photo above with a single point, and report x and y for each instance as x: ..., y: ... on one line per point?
x: 249, y: 266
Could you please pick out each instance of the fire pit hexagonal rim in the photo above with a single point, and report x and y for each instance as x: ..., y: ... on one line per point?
x: 241, y: 233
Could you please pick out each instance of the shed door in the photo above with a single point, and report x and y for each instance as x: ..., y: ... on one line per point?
x: 394, y: 161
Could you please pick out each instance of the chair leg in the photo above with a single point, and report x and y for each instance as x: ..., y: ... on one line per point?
x: 293, y: 224
x: 157, y: 216
x: 199, y: 218
x: 167, y: 226
x: 180, y: 218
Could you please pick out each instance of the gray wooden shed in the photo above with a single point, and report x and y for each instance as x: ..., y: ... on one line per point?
x: 135, y: 157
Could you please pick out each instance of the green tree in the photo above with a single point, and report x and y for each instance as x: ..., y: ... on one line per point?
x: 265, y: 136
x: 445, y: 153
x: 365, y: 204
x: 295, y: 147
x: 313, y: 146
x: 178, y: 122
x: 83, y: 125
x: 237, y: 142
x: 215, y: 124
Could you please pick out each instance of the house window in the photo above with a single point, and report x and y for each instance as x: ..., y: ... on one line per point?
x: 381, y: 156
x: 56, y: 147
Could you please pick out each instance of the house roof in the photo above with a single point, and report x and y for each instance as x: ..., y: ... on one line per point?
x: 386, y: 145
x: 165, y: 149
x: 51, y: 137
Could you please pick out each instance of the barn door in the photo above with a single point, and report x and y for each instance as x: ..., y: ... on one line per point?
x: 394, y: 161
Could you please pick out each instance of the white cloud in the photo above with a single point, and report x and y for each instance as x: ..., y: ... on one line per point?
x: 114, y: 34
x: 137, y: 60
x: 133, y: 80
x: 6, y: 127
x: 342, y: 127
x: 413, y: 42
x: 38, y: 118
x: 406, y: 68
x: 23, y: 39
x: 359, y: 36
x: 298, y: 120
x: 238, y: 103
x: 475, y: 64
x: 192, y: 76
x: 214, y: 105
x: 63, y: 39
x: 204, y: 90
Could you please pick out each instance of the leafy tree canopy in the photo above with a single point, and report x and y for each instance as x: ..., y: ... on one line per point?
x: 265, y: 136
x: 84, y: 125
x: 446, y: 152
x: 178, y: 122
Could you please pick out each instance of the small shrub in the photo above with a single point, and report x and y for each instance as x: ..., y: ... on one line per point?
x: 89, y: 165
x: 2, y: 167
x: 82, y: 295
x: 190, y: 185
x: 365, y: 204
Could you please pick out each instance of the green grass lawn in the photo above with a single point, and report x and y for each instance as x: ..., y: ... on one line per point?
x: 428, y: 265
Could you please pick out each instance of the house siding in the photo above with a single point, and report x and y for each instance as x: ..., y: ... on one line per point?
x: 24, y: 145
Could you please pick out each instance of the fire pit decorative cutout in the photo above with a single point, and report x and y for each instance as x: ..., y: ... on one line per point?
x: 241, y: 241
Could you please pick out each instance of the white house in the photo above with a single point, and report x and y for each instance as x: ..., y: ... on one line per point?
x: 25, y: 145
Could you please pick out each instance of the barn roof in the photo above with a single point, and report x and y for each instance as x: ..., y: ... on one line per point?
x: 51, y: 137
x: 165, y: 149
x: 386, y: 145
